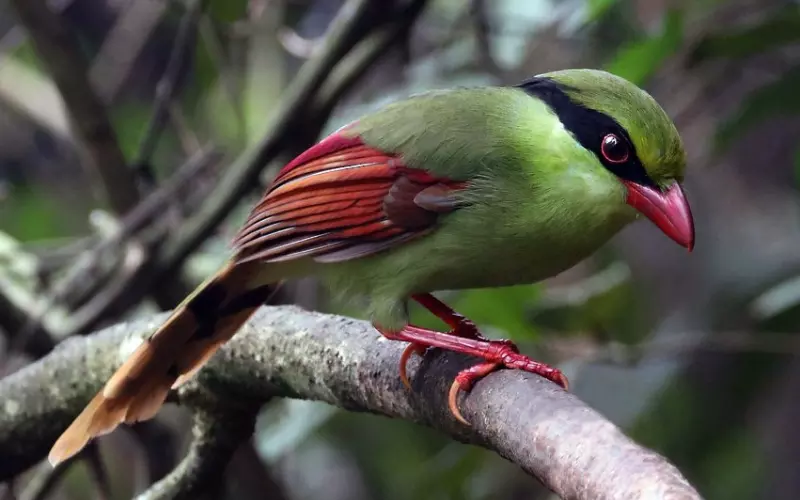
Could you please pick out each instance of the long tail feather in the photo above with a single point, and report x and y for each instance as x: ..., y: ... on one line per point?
x: 170, y: 356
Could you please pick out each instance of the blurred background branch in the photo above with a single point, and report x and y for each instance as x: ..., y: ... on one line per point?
x: 59, y: 51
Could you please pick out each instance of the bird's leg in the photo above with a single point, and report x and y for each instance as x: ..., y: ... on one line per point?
x: 494, y: 352
x: 459, y: 326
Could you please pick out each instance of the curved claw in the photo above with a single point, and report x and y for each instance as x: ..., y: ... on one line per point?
x: 409, y: 351
x: 560, y: 379
x: 464, y: 381
x: 452, y: 402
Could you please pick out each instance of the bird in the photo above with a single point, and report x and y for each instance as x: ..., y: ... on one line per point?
x: 449, y: 189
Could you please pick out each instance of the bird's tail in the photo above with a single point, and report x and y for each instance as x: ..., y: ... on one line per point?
x: 209, y: 317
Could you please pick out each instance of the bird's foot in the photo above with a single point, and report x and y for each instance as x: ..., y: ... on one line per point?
x: 460, y: 327
x: 467, y: 331
x: 499, y: 353
x: 410, y: 350
x: 496, y: 353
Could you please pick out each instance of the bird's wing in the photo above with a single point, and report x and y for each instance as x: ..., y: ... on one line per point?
x: 341, y: 200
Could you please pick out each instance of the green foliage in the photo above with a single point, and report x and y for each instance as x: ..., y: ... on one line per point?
x: 30, y: 215
x: 599, y: 8
x: 779, y: 98
x: 740, y: 460
x: 693, y: 425
x: 25, y: 53
x: 227, y: 11
x: 501, y: 309
x: 639, y: 60
x: 129, y: 121
x: 607, y: 304
x: 776, y: 31
x: 405, y: 460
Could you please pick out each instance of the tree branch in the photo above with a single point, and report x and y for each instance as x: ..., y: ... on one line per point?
x: 310, y: 99
x: 31, y: 328
x: 217, y: 435
x: 125, y: 42
x: 15, y: 318
x: 242, y: 174
x: 287, y: 352
x: 59, y: 51
x: 166, y: 89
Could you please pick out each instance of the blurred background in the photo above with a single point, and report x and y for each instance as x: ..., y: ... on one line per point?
x: 135, y: 140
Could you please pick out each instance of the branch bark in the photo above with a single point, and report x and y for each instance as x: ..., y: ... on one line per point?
x: 288, y: 352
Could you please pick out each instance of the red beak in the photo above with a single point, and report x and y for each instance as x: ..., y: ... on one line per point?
x: 668, y: 210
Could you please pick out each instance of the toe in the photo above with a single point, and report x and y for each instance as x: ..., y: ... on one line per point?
x: 409, y: 351
x: 561, y: 379
x: 452, y: 400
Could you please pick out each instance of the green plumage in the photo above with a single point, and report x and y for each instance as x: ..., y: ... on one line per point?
x: 538, y: 201
x: 653, y: 133
x: 507, y: 186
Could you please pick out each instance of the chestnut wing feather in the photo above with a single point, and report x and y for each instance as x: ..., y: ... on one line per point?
x: 342, y: 200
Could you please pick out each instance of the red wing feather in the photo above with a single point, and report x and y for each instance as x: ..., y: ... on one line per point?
x: 341, y: 200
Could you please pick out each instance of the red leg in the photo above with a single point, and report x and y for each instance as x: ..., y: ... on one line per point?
x: 495, y: 353
x: 459, y: 325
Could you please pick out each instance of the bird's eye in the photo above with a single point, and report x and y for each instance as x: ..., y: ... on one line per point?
x: 614, y: 149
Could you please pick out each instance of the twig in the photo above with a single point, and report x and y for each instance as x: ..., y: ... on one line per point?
x: 123, y: 45
x: 134, y: 258
x: 676, y: 344
x: 478, y: 11
x: 59, y: 51
x: 166, y: 89
x: 188, y: 138
x: 35, y: 97
x: 285, y: 351
x: 346, y: 31
x: 46, y: 477
x: 131, y: 275
x: 296, y: 45
x: 159, y: 444
x: 213, y: 46
x: 243, y: 173
x: 355, y: 65
x: 89, y: 266
x: 217, y: 435
x: 248, y: 472
x: 13, y: 319
x: 97, y: 472
x: 17, y: 302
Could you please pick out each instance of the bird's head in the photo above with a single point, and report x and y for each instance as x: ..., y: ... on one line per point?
x: 630, y: 135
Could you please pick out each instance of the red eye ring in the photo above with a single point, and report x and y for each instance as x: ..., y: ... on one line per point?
x: 614, y: 149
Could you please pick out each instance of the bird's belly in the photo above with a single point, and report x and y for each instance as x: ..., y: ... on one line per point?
x: 462, y: 256
x: 516, y: 263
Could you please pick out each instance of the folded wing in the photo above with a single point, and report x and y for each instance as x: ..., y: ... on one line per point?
x: 341, y: 200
